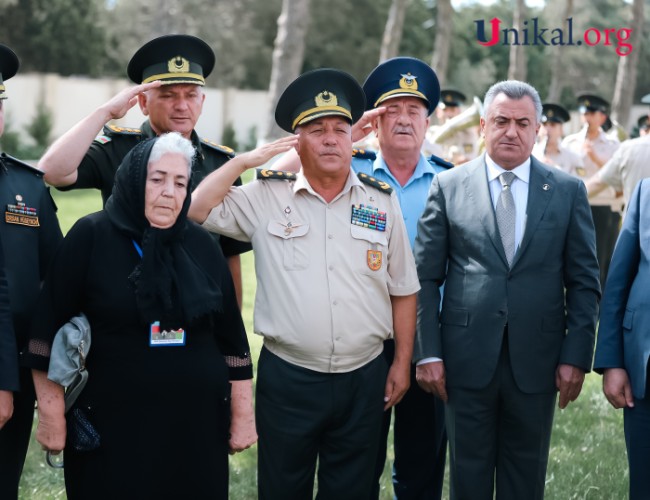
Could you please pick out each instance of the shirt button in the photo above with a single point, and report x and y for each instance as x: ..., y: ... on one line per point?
x: 330, y: 236
x: 331, y: 268
x: 335, y: 302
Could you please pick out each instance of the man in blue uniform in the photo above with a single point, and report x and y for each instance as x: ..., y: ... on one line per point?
x: 404, y: 91
x: 30, y: 233
x: 170, y: 71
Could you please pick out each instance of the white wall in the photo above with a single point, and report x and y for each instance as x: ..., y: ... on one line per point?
x: 72, y: 98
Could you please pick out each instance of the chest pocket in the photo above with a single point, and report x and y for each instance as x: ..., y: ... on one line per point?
x: 371, y: 250
x: 294, y: 245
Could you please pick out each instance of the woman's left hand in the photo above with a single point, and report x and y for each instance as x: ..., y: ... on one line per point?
x: 243, y: 433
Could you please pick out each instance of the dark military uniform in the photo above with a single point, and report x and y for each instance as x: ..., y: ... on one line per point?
x: 30, y: 234
x: 98, y: 167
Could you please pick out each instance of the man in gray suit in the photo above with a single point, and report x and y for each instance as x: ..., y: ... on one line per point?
x: 513, y: 243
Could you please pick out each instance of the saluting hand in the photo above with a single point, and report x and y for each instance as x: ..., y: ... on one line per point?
x: 364, y: 125
x: 122, y: 102
x: 259, y: 156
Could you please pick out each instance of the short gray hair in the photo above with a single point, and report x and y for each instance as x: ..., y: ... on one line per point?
x: 513, y: 89
x: 173, y: 142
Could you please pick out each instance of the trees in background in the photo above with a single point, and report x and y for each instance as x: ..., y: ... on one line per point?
x: 97, y: 38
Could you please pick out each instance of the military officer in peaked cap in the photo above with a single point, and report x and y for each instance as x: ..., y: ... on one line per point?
x: 548, y: 147
x: 404, y: 91
x: 336, y: 278
x: 595, y: 148
x: 170, y: 72
x: 30, y: 233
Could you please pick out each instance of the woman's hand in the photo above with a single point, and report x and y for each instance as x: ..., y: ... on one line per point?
x: 243, y: 433
x: 51, y: 432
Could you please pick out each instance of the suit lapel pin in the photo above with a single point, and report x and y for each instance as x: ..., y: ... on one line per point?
x: 546, y: 187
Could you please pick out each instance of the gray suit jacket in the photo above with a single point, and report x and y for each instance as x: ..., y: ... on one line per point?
x: 549, y: 298
x: 624, y: 331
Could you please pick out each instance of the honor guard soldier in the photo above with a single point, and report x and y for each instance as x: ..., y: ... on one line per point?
x: 335, y: 280
x: 548, y: 147
x: 30, y: 233
x: 171, y: 72
x: 595, y: 148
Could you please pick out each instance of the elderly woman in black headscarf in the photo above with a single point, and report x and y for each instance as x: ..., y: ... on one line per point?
x: 156, y: 418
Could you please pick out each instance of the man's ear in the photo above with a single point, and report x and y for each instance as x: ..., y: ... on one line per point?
x: 142, y: 101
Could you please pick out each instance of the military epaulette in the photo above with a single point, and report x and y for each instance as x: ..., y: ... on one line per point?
x: 364, y: 154
x: 265, y: 173
x: 14, y: 161
x: 114, y: 129
x: 218, y: 147
x: 382, y: 186
x: 439, y: 161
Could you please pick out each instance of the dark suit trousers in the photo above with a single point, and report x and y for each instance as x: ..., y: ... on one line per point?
x: 607, y: 224
x: 14, y: 437
x: 637, y: 441
x: 305, y: 416
x: 419, y: 443
x: 498, y: 431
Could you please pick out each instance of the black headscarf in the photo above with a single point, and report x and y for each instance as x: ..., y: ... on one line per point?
x: 170, y: 284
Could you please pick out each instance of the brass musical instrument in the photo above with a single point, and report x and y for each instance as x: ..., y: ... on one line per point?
x: 467, y: 118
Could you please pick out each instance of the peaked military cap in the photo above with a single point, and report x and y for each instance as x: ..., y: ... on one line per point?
x: 451, y: 98
x: 554, y: 113
x: 643, y: 122
x: 646, y: 99
x: 318, y: 93
x: 8, y: 67
x: 401, y: 77
x: 590, y: 102
x: 172, y: 59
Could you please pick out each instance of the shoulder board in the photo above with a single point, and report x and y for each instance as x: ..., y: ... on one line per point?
x: 264, y: 173
x: 14, y: 161
x: 218, y: 147
x: 382, y: 186
x: 440, y: 162
x: 114, y: 129
x: 364, y: 154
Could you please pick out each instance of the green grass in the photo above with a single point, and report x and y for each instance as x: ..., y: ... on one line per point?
x: 587, y: 459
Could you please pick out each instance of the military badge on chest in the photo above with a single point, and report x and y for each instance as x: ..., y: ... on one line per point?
x: 21, y: 214
x: 372, y: 219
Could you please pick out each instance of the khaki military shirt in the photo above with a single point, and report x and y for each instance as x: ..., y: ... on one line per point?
x: 564, y: 159
x: 324, y: 280
x: 604, y: 148
x: 628, y: 166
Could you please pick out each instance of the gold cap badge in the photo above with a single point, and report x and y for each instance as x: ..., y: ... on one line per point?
x: 178, y: 64
x: 408, y: 81
x: 326, y: 98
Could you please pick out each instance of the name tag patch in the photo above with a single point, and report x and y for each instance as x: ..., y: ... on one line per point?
x: 165, y: 338
x: 19, y: 213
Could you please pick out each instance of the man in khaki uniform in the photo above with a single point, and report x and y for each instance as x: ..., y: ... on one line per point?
x: 336, y: 277
x: 626, y: 168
